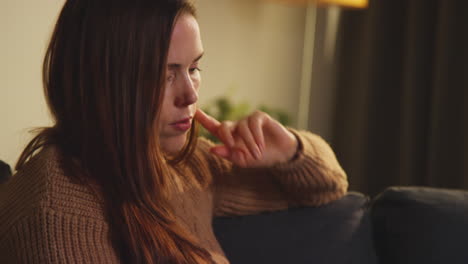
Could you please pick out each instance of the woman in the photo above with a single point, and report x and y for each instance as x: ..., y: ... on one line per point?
x: 121, y: 175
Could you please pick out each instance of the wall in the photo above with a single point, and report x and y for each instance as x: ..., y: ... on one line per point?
x: 253, y: 53
x: 25, y: 27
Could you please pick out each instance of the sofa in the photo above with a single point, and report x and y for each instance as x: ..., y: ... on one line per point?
x: 5, y: 172
x: 401, y: 225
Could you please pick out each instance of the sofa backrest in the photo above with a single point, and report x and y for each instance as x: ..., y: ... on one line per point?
x: 5, y: 172
x: 414, y: 225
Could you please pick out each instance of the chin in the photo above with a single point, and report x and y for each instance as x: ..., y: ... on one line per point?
x: 172, y: 145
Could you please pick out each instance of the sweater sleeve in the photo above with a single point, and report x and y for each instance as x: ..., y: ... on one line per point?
x: 47, y: 236
x: 313, y: 178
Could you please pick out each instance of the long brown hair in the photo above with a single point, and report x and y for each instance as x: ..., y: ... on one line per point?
x: 104, y: 76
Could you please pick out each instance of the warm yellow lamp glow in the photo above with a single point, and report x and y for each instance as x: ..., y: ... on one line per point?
x: 348, y: 3
x: 344, y: 3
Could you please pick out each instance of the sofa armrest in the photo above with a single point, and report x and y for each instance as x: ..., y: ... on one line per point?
x: 338, y: 232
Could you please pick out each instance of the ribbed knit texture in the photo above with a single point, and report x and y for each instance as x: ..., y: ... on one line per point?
x: 45, y: 217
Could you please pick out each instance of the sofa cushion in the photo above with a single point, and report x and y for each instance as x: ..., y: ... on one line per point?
x: 421, y: 225
x: 338, y: 232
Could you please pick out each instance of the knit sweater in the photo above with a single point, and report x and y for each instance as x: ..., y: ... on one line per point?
x: 47, y: 217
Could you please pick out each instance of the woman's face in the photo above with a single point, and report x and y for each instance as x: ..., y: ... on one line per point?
x: 182, y: 84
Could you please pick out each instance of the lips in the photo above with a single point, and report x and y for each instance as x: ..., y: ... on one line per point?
x: 183, y: 124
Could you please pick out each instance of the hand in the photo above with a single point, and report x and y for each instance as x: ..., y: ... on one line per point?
x: 255, y: 141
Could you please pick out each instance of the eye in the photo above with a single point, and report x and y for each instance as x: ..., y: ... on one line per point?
x: 194, y: 69
x: 171, y: 77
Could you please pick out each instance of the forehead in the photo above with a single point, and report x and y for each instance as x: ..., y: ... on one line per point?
x: 185, y: 43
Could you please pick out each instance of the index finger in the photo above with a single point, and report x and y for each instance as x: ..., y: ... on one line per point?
x: 208, y: 122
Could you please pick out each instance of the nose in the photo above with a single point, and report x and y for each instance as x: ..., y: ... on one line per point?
x: 187, y: 94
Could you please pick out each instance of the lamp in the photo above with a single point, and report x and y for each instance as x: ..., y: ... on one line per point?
x: 308, y: 52
x: 343, y: 3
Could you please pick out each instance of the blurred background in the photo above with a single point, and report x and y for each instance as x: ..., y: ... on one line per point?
x: 383, y: 81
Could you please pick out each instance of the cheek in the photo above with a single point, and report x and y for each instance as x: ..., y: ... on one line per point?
x: 166, y: 104
x: 197, y: 81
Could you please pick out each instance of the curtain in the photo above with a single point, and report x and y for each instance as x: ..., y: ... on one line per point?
x: 401, y: 108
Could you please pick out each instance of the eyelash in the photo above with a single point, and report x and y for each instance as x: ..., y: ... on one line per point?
x: 171, y: 77
x: 195, y: 69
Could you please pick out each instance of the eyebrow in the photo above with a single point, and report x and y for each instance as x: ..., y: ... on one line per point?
x: 178, y: 65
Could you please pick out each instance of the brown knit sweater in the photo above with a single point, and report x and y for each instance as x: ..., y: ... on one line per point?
x: 45, y: 217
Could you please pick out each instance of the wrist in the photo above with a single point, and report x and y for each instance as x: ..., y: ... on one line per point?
x: 294, y: 148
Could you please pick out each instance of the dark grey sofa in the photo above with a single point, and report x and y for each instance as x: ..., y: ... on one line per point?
x: 401, y: 225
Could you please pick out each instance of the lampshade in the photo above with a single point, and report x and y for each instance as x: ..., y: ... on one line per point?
x: 344, y: 3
